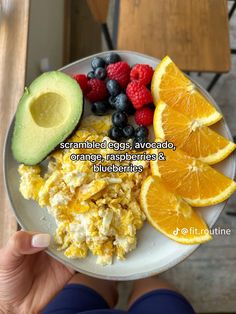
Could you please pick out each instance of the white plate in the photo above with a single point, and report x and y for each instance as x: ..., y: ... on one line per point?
x: 155, y: 253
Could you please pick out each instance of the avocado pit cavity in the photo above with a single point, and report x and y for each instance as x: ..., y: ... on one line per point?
x: 49, y: 110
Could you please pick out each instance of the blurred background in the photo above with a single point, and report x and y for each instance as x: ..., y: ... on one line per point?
x: 62, y: 31
x: 199, y: 35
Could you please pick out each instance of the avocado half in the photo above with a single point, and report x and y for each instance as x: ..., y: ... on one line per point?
x: 47, y: 114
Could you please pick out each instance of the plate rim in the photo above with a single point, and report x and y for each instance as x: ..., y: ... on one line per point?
x: 142, y: 274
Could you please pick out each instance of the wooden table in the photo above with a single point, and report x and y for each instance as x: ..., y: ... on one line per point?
x: 13, y: 46
x: 194, y: 33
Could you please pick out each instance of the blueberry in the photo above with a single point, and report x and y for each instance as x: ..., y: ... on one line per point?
x: 112, y: 101
x: 122, y: 102
x: 90, y: 75
x: 113, y: 87
x: 97, y: 62
x: 128, y: 131
x: 100, y: 73
x: 119, y: 118
x: 112, y: 58
x: 115, y: 133
x: 141, y: 132
x: 100, y: 108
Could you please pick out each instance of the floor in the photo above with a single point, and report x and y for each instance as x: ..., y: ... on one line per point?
x: 210, y: 283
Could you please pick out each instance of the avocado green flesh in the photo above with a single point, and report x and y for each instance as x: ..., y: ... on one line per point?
x: 47, y: 114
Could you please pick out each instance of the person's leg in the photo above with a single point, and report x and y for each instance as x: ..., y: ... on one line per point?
x: 156, y: 296
x: 83, y: 293
x: 146, y: 285
x: 107, y: 289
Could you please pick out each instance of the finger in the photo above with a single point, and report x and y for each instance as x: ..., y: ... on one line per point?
x: 71, y: 270
x: 24, y: 243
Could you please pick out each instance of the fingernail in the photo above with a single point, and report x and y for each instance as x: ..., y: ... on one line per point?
x: 41, y: 240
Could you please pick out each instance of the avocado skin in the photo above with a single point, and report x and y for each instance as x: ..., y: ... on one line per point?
x: 32, y: 142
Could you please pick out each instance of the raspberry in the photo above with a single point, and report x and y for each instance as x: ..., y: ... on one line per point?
x: 97, y: 90
x: 144, y: 116
x: 119, y: 71
x: 82, y: 80
x: 141, y: 73
x: 138, y: 94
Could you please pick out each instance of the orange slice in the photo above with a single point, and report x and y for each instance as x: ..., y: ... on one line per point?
x: 193, y: 138
x: 198, y: 183
x: 171, y: 215
x: 173, y: 87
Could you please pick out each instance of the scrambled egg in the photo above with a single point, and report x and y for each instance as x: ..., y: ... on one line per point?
x: 97, y: 212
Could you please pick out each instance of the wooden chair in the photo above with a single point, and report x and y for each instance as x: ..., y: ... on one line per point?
x: 194, y: 33
x: 99, y: 10
x: 13, y: 45
x: 232, y: 50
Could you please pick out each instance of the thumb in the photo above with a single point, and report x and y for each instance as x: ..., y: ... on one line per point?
x: 24, y: 243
